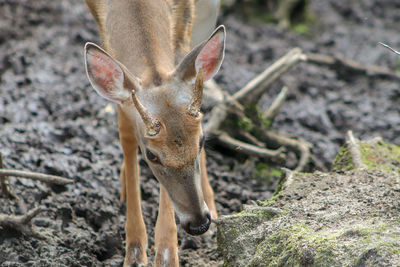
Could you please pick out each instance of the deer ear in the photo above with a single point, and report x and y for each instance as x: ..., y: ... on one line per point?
x: 208, y: 56
x: 105, y: 74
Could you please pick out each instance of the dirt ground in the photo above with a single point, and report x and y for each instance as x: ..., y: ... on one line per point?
x: 51, y: 121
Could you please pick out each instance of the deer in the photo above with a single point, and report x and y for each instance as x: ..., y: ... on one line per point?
x: 149, y: 65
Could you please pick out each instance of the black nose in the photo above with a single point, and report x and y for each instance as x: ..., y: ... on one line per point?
x: 198, y: 229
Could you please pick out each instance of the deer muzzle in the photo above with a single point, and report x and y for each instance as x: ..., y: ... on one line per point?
x: 197, y: 224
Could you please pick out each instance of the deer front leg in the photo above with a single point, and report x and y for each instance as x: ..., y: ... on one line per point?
x: 166, y: 240
x: 136, y: 236
x: 205, y: 184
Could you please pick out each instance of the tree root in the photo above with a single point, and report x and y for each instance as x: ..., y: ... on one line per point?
x: 228, y: 105
x: 21, y: 223
x: 258, y: 135
x: 248, y: 149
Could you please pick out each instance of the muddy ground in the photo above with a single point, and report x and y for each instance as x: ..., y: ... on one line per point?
x: 51, y: 121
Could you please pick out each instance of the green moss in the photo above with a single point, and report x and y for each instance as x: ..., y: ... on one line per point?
x: 376, y: 155
x: 343, y: 160
x: 296, y: 246
x: 245, y: 124
x: 381, y: 155
x: 304, y: 25
x: 301, y: 28
x: 266, y: 173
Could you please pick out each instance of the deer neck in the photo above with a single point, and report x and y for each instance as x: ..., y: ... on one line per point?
x: 139, y: 35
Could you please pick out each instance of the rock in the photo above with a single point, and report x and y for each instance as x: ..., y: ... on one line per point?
x: 343, y: 218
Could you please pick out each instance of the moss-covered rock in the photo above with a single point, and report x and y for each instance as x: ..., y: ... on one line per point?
x: 375, y: 153
x: 342, y: 218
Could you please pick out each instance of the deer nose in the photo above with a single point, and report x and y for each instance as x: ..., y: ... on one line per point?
x: 197, y: 227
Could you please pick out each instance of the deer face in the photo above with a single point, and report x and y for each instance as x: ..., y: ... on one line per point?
x: 173, y: 154
x: 167, y: 120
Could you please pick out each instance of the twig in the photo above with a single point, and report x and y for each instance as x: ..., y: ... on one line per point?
x: 4, y: 184
x: 36, y: 176
x: 301, y: 146
x: 388, y: 47
x: 355, y: 151
x: 288, y: 177
x: 248, y: 149
x: 256, y: 87
x: 21, y: 223
x: 338, y: 62
x: 251, y: 138
x: 273, y: 110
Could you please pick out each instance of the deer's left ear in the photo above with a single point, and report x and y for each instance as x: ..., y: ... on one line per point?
x: 208, y: 56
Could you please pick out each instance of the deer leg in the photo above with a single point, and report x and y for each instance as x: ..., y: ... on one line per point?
x: 205, y: 184
x: 136, y: 236
x: 166, y: 241
x: 123, y: 184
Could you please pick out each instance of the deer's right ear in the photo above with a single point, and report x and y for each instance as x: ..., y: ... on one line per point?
x: 105, y: 74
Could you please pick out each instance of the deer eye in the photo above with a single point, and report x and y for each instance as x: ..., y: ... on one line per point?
x: 152, y: 157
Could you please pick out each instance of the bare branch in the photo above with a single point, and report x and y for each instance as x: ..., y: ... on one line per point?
x: 338, y: 62
x: 256, y: 87
x: 289, y: 177
x: 388, y: 47
x: 36, y: 176
x: 251, y: 139
x: 249, y: 149
x: 273, y: 110
x: 301, y: 146
x: 4, y: 184
x: 354, y: 148
x: 21, y: 223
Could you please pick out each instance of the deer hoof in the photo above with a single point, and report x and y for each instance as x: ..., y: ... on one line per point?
x: 166, y: 257
x: 135, y: 256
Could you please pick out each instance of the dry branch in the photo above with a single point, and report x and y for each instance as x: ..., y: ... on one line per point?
x: 36, y: 176
x: 288, y: 177
x: 388, y: 47
x: 354, y: 148
x: 250, y: 93
x: 248, y: 96
x: 249, y: 149
x: 273, y: 110
x: 4, y: 184
x: 21, y: 223
x: 300, y: 146
x: 340, y: 63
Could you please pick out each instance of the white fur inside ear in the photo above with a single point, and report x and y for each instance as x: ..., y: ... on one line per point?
x: 105, y: 75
